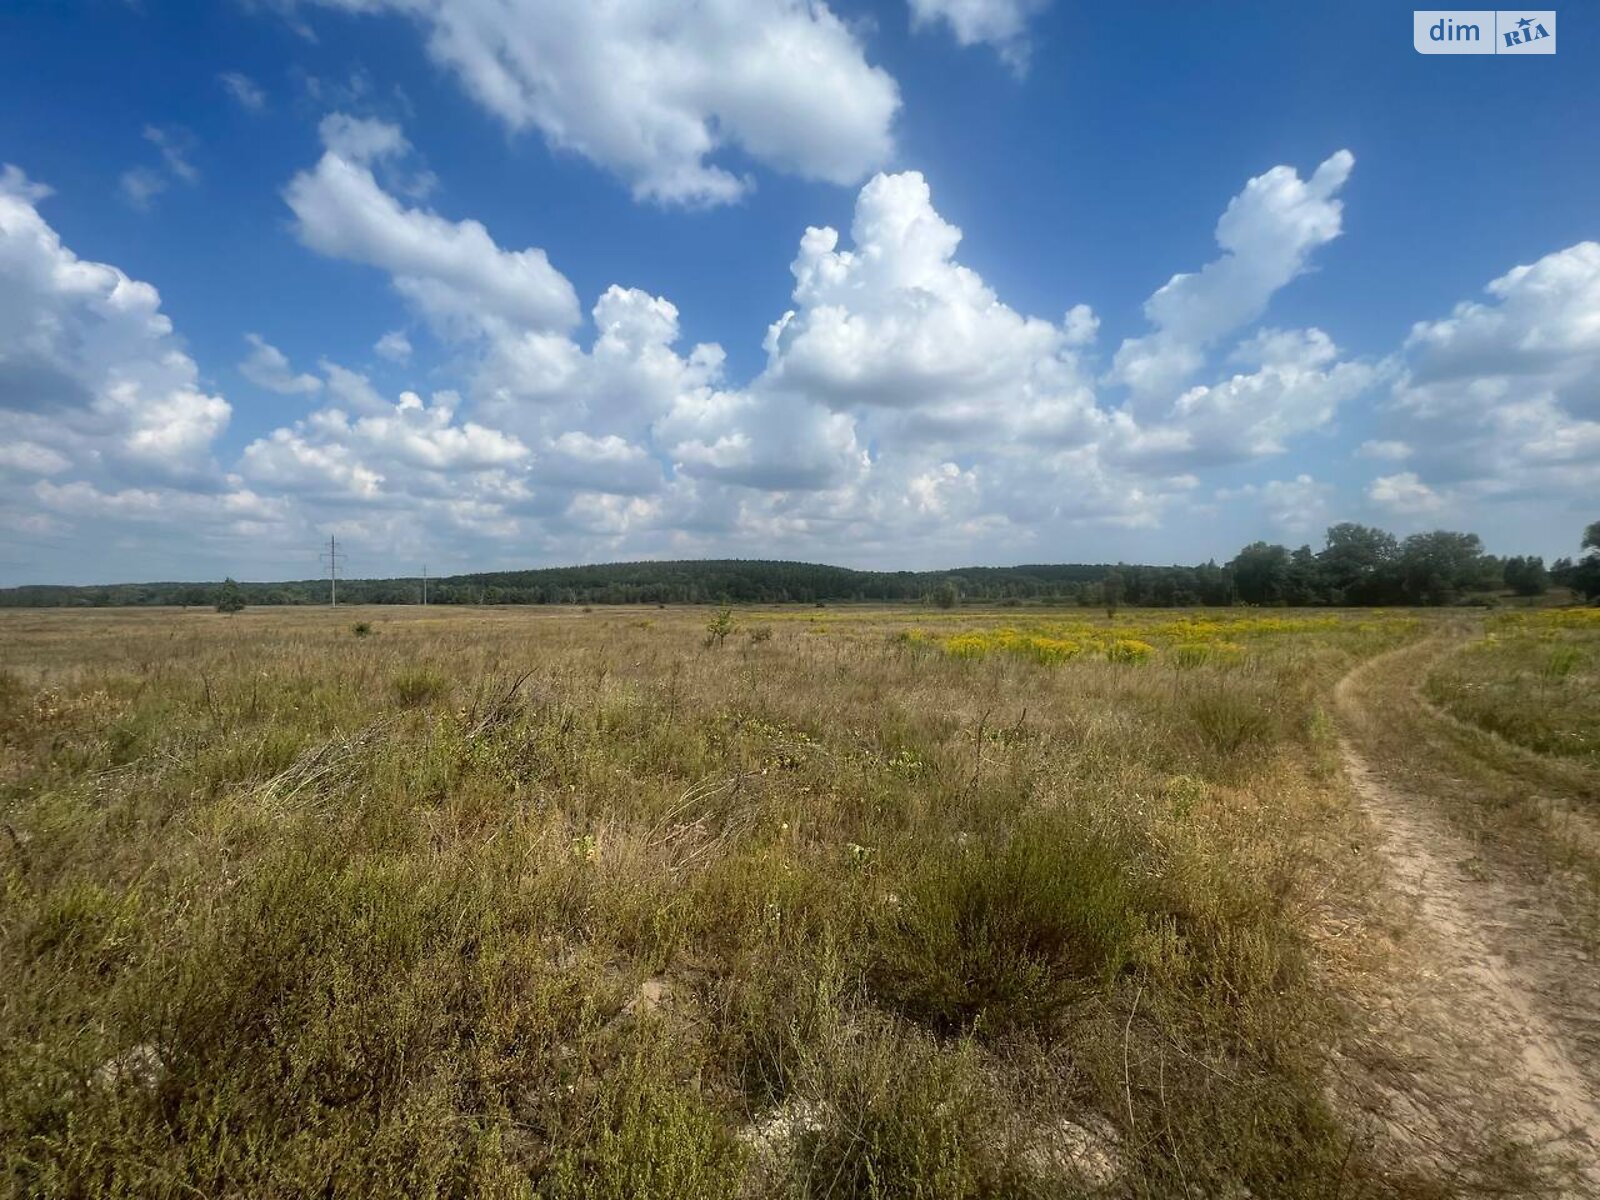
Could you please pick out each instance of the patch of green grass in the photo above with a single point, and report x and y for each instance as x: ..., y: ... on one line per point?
x: 1533, y: 682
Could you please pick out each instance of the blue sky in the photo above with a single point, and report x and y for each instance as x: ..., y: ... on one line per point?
x: 489, y: 283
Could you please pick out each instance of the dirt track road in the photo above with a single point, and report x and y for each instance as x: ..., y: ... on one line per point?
x: 1493, y: 1031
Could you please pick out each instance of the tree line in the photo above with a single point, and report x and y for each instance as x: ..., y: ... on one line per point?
x: 1357, y: 565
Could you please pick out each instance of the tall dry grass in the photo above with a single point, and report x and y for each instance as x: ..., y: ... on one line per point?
x: 539, y: 902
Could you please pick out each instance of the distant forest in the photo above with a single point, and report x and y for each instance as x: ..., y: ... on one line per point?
x: 1358, y: 565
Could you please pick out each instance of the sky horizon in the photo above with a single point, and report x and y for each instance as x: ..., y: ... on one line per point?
x: 886, y: 284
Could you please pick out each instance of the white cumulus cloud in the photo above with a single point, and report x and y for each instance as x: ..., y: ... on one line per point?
x: 659, y: 93
x: 89, y: 365
x: 451, y: 271
x: 1267, y: 236
x: 1502, y: 397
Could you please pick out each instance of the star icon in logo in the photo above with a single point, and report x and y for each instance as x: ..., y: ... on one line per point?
x: 1525, y: 22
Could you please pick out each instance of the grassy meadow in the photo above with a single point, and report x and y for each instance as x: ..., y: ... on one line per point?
x: 1533, y: 678
x: 634, y: 903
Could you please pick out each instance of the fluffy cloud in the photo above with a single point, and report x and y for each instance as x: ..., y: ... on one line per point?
x: 1404, y: 494
x: 89, y: 366
x: 1296, y: 387
x: 898, y: 330
x: 267, y: 367
x: 243, y: 509
x: 451, y: 271
x: 30, y: 458
x: 1267, y: 236
x: 351, y: 390
x: 655, y: 93
x: 408, y: 448
x: 904, y: 410
x: 106, y: 431
x: 1002, y: 24
x: 1502, y: 397
x: 1542, y: 325
x: 901, y: 398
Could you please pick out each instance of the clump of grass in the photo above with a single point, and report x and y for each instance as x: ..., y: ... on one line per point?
x: 415, y: 687
x: 895, y: 1114
x: 1232, y: 720
x: 1003, y: 934
x: 1561, y: 662
x: 361, y: 629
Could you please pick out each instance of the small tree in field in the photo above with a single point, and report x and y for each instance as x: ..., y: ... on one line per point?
x: 230, y: 597
x: 1586, y: 575
x: 946, y: 595
x: 1111, y: 593
x: 719, y: 627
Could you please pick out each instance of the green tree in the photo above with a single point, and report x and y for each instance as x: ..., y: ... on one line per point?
x: 1111, y: 588
x: 1357, y: 562
x: 946, y: 595
x: 1261, y: 573
x: 719, y: 627
x: 1303, y: 584
x: 1437, y: 567
x: 1527, y: 576
x: 230, y: 597
x: 1585, y: 574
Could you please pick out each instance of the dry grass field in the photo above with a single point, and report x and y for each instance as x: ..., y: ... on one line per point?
x: 628, y: 903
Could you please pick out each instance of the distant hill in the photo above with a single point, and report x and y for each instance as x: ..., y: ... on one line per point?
x: 708, y: 581
x: 1358, y: 565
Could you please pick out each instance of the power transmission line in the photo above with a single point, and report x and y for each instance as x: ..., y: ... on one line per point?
x: 424, y: 583
x: 333, y: 554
